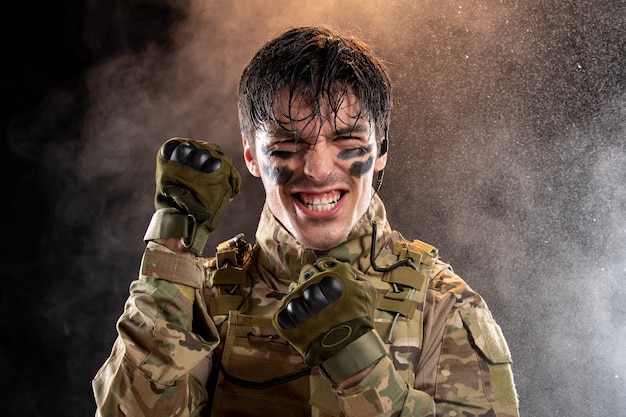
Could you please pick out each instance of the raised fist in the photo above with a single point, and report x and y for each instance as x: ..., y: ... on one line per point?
x: 195, y: 181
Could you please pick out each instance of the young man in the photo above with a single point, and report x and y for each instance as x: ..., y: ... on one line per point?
x: 330, y: 312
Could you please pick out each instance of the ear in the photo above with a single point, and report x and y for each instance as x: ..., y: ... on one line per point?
x: 380, y: 163
x: 248, y: 156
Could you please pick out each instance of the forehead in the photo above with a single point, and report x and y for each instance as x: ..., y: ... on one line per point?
x: 300, y: 110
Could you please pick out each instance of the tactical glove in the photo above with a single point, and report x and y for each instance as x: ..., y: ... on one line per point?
x: 328, y: 319
x: 195, y: 181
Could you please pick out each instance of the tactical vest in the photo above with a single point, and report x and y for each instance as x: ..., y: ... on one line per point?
x: 258, y: 375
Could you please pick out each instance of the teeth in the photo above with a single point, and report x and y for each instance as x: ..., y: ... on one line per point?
x: 324, y: 203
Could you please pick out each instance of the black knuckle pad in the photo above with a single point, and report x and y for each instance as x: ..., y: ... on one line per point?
x: 211, y: 164
x: 198, y: 158
x: 314, y: 298
x: 168, y: 148
x: 331, y: 288
x: 186, y: 153
x: 182, y: 153
x: 285, y: 321
x: 202, y: 160
x: 298, y: 311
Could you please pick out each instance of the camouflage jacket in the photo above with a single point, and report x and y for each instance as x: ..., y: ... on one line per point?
x: 192, y: 343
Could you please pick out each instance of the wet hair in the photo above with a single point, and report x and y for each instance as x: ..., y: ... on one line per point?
x: 317, y: 66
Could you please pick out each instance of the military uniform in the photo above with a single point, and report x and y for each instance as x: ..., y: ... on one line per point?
x: 196, y: 338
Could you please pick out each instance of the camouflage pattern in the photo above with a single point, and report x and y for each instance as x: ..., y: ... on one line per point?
x: 448, y: 359
x: 163, y: 349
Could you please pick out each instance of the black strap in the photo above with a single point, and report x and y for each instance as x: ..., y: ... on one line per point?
x: 267, y: 383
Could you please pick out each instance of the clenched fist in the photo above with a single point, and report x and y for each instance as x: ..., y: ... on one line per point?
x: 195, y: 181
x: 328, y: 318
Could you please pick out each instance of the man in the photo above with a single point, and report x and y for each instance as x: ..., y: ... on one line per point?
x: 330, y: 312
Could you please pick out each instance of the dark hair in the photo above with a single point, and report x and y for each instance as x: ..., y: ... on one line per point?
x: 317, y: 62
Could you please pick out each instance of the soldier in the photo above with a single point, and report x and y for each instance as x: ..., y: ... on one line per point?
x: 330, y: 312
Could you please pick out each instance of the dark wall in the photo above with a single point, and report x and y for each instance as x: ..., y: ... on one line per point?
x: 507, y: 153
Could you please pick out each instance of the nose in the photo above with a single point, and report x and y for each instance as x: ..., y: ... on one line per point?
x: 318, y: 161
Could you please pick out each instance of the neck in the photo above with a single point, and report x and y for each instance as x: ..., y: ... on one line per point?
x: 283, y: 256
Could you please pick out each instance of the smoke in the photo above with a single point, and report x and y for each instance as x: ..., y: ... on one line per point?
x: 507, y: 153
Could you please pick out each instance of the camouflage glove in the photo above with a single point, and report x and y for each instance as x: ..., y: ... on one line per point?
x: 195, y: 181
x: 328, y: 319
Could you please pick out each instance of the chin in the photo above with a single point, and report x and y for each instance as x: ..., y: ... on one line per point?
x: 323, y: 244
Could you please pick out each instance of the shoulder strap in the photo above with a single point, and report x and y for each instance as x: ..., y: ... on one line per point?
x: 227, y: 272
x: 408, y: 285
x: 401, y: 321
x: 408, y: 281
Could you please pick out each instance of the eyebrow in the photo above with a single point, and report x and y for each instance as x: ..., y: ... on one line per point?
x: 282, y: 133
x: 356, y: 128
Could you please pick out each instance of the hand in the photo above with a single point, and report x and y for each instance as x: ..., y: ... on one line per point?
x: 195, y: 181
x: 328, y: 318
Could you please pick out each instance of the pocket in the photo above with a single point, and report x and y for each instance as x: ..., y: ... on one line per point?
x: 251, y: 357
x: 486, y: 334
x: 487, y: 337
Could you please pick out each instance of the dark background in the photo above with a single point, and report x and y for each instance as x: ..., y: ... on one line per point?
x: 507, y: 153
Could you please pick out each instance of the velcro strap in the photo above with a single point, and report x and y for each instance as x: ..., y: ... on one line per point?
x: 409, y: 282
x: 228, y: 276
x: 420, y: 252
x: 167, y: 222
x: 171, y: 267
x: 198, y: 238
x: 405, y: 307
x: 358, y: 355
x: 405, y: 275
x: 222, y: 304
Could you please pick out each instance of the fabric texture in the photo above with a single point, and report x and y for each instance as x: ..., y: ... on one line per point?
x: 449, y: 358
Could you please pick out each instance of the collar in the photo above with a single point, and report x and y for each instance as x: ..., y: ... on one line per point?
x: 282, y: 256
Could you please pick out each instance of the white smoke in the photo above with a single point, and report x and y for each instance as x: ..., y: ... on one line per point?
x: 507, y: 152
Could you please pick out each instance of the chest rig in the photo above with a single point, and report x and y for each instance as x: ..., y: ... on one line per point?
x: 260, y: 375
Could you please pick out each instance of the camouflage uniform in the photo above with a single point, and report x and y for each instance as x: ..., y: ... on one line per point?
x: 447, y: 356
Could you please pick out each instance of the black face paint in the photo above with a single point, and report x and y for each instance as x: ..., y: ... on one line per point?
x: 358, y: 169
x: 280, y: 175
x: 346, y: 154
x: 281, y: 154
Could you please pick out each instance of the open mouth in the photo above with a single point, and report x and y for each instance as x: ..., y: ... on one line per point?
x: 320, y: 202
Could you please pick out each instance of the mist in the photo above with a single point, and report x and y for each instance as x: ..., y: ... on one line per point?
x: 507, y: 152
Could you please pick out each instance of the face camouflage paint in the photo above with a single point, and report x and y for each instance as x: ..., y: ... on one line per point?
x: 319, y: 173
x: 280, y: 175
x: 346, y: 154
x: 358, y: 169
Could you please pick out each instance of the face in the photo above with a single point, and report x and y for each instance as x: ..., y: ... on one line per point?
x: 317, y: 171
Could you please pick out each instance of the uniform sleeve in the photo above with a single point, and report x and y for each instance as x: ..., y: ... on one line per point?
x: 161, y: 357
x: 471, y: 374
x: 464, y: 368
x: 474, y: 375
x: 384, y: 393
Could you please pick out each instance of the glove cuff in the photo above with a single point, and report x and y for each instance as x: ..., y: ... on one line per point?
x: 355, y: 357
x: 167, y: 222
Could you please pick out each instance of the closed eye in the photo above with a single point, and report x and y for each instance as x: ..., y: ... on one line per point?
x: 283, y: 149
x: 354, y: 153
